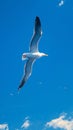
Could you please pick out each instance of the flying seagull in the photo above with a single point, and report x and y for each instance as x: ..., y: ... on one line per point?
x: 33, y: 53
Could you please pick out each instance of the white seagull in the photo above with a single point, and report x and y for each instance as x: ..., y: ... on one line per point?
x: 33, y: 53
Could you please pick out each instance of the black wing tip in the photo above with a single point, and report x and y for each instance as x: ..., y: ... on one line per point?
x: 38, y: 20
x: 38, y: 25
x: 19, y: 88
x: 21, y: 84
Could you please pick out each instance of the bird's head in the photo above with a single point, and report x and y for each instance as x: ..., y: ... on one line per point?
x: 24, y: 56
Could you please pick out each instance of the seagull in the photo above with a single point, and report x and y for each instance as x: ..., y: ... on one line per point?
x: 33, y: 53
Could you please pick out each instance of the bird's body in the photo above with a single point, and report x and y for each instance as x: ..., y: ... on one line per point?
x: 33, y: 53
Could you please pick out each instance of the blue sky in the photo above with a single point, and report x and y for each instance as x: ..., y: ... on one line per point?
x: 47, y: 97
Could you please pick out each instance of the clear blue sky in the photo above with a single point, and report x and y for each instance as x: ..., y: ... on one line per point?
x: 49, y: 91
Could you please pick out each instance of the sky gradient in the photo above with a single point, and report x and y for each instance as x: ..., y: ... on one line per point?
x: 47, y: 97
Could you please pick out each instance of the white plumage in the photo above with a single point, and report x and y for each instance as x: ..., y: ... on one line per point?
x: 33, y: 53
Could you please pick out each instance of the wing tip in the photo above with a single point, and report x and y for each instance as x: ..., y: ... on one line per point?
x: 21, y: 84
x: 38, y: 25
x: 19, y: 87
x: 37, y: 20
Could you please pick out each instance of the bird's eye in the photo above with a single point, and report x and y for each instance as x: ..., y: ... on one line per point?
x: 24, y: 56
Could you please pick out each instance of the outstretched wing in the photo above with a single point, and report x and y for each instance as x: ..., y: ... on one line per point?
x: 36, y: 36
x: 28, y: 71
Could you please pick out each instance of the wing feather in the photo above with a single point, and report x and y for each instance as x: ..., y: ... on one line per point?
x: 28, y: 71
x: 36, y: 36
